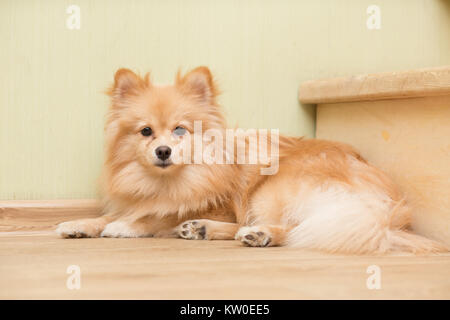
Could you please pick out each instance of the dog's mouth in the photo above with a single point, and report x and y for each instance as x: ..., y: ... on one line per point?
x: 163, y: 163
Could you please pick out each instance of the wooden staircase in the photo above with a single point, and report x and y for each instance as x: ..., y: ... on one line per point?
x: 399, y: 121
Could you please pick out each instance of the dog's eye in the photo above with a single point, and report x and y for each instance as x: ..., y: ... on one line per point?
x: 147, y: 131
x: 179, y: 131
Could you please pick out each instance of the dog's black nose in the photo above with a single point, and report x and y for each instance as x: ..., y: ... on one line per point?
x: 163, y: 152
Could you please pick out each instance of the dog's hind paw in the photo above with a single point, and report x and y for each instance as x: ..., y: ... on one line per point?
x: 192, y: 230
x: 254, y: 236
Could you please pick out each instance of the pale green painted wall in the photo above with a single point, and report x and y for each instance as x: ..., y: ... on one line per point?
x: 52, y: 78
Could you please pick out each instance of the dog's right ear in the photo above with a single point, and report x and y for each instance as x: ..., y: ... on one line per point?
x: 126, y: 83
x: 198, y: 83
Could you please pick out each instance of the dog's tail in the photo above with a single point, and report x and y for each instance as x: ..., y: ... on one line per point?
x: 400, y: 240
x: 364, y: 241
x: 344, y: 228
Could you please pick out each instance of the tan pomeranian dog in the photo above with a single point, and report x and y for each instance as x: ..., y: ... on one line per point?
x: 324, y: 195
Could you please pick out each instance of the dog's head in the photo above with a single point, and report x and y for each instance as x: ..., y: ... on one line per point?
x: 146, y: 123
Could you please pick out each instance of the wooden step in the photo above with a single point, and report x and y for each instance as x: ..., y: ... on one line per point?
x: 399, y: 121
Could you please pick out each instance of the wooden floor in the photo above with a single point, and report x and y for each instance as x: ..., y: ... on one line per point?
x: 33, y: 266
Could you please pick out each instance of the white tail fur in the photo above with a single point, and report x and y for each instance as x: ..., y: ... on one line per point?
x: 336, y: 220
x: 399, y: 240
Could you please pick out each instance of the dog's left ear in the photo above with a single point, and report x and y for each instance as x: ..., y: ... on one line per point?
x: 199, y: 83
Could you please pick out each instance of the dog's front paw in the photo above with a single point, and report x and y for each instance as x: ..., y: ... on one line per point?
x: 85, y: 228
x: 254, y: 236
x: 192, y: 230
x: 120, y: 229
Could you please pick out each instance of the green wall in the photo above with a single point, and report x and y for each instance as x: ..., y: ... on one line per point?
x: 52, y: 78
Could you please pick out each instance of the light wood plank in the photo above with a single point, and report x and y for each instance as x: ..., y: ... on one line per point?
x: 33, y: 266
x: 20, y: 215
x: 379, y: 86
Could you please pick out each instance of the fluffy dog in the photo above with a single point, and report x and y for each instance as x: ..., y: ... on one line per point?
x: 323, y: 196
